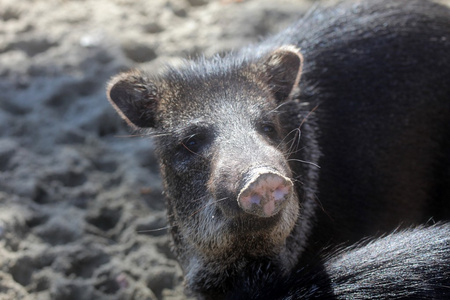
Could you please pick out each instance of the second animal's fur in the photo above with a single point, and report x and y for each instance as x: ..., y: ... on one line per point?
x: 413, y: 264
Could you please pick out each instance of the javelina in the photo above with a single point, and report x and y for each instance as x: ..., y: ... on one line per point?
x: 262, y: 168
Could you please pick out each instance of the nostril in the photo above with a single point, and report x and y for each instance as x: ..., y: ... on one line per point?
x: 265, y: 193
x: 280, y: 192
x: 255, y: 199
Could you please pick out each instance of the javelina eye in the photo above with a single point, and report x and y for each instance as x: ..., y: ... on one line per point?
x: 194, y: 143
x: 268, y: 129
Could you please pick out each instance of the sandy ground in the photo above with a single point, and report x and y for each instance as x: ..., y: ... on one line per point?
x: 81, y: 210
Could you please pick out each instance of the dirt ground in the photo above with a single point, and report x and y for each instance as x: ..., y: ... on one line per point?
x: 81, y: 210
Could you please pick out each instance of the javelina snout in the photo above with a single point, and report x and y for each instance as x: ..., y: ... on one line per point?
x: 265, y: 193
x: 250, y: 177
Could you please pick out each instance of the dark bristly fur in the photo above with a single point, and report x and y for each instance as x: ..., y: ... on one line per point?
x: 412, y: 264
x: 351, y: 103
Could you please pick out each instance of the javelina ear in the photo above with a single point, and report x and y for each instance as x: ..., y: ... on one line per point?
x: 134, y: 97
x: 284, y: 67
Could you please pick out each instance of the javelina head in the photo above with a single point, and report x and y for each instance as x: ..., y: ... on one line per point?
x: 223, y: 156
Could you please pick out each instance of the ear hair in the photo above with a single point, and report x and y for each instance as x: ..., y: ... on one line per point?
x: 284, y: 68
x: 134, y: 97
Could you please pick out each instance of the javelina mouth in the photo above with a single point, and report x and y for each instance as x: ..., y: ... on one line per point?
x: 266, y: 193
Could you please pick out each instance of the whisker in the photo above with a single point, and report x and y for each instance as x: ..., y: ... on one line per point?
x: 296, y: 140
x: 288, y: 134
x: 157, y: 135
x: 129, y: 135
x: 307, y: 116
x: 298, y: 180
x: 294, y: 152
x: 316, y: 198
x: 275, y: 110
x: 195, y: 153
x: 150, y: 135
x: 305, y: 162
x: 205, y: 206
x: 155, y: 230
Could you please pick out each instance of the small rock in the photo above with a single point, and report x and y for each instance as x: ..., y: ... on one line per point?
x: 8, y: 148
x: 92, y: 39
x: 139, y: 52
x: 197, y: 2
x: 160, y: 278
x: 152, y: 27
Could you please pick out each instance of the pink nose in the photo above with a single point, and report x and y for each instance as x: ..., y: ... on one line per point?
x: 266, y: 193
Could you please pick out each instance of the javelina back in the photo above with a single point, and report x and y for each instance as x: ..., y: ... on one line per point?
x: 264, y: 168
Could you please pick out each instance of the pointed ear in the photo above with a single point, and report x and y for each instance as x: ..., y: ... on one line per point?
x: 284, y: 67
x: 134, y: 97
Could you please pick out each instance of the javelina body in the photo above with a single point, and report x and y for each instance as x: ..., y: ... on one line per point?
x: 241, y: 138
